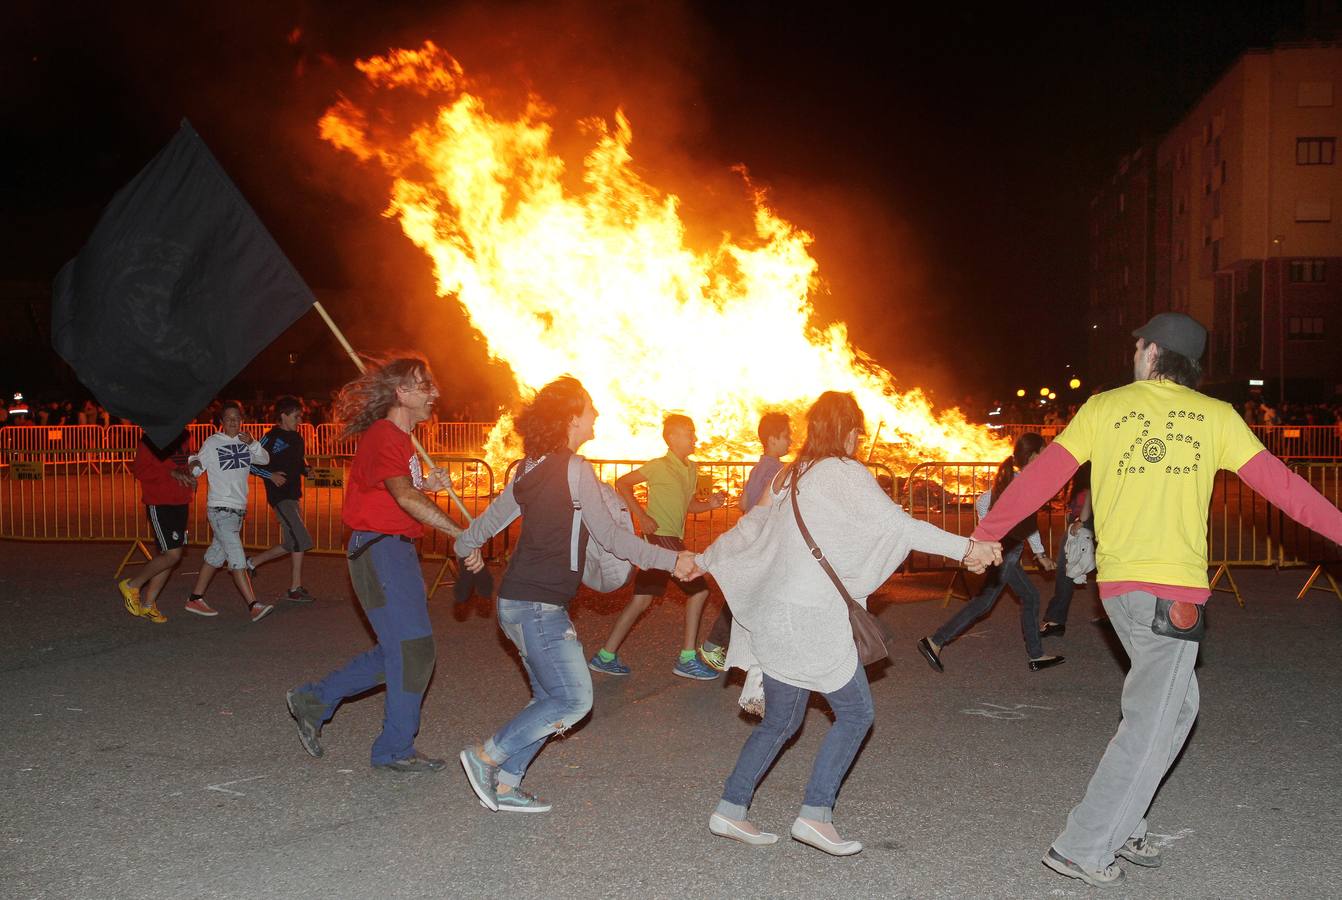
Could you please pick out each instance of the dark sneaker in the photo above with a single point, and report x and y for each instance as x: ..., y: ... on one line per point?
x: 1140, y: 852
x: 930, y: 654
x: 1109, y: 876
x: 306, y: 708
x: 412, y: 764
x: 614, y: 667
x: 300, y: 595
x: 518, y: 800
x: 483, y: 777
x: 1052, y: 629
x: 693, y: 668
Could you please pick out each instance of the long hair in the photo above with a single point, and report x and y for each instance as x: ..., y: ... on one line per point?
x: 543, y: 423
x: 1027, y: 445
x: 1176, y: 367
x: 369, y: 397
x: 829, y: 421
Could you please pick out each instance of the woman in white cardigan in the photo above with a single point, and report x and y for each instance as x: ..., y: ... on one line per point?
x: 797, y: 622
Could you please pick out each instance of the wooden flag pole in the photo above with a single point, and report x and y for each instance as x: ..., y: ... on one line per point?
x: 870, y: 450
x: 358, y: 364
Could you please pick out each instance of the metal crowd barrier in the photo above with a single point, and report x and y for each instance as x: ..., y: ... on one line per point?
x: 94, y: 441
x: 56, y: 495
x: 1301, y: 546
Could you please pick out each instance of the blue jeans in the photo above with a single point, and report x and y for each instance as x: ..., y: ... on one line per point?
x: 1008, y: 575
x: 561, y: 685
x: 784, y: 709
x: 390, y: 586
x: 1063, y: 587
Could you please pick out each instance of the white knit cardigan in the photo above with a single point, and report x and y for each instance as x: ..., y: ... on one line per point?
x: 795, y: 621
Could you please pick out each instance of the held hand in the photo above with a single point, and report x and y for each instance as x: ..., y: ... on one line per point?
x: 245, y: 437
x: 183, y: 478
x: 279, y: 479
x: 1046, y: 564
x: 685, y: 568
x: 475, y: 562
x: 437, y: 479
x: 981, y: 555
x: 718, y: 500
x: 1074, y: 528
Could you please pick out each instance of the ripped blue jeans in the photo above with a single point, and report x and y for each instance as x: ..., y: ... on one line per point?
x: 561, y: 685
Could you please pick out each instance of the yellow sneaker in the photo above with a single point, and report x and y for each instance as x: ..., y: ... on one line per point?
x: 151, y: 612
x: 132, y: 597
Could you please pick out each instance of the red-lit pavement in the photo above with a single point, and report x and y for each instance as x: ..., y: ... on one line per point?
x: 146, y: 761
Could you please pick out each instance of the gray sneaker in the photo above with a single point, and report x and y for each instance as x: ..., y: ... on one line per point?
x: 518, y: 800
x: 300, y: 595
x: 1109, y: 876
x: 483, y: 777
x: 1140, y: 852
x: 307, y: 709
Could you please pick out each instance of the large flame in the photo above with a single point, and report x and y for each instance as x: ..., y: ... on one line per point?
x: 601, y: 283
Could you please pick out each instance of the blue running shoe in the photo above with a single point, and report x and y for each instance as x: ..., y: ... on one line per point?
x: 614, y: 667
x: 518, y: 800
x: 483, y: 778
x: 693, y: 668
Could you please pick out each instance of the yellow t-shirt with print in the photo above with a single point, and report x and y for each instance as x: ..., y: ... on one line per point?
x: 671, y: 485
x: 1155, y: 448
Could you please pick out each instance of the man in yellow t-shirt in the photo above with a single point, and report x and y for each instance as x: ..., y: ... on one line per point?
x: 672, y: 481
x: 1155, y: 446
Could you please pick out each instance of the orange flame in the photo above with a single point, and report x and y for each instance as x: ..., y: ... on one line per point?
x: 602, y: 284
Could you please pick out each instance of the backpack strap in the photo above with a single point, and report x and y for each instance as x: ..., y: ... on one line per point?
x: 575, y: 463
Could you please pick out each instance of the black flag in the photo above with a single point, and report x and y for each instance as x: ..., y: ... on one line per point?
x: 177, y: 289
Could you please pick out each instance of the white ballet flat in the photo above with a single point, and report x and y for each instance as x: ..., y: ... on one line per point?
x: 805, y: 832
x: 725, y: 827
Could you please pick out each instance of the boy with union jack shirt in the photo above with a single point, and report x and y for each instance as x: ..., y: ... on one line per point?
x: 227, y: 457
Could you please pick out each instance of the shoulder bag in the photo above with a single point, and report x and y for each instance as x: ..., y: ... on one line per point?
x: 870, y: 635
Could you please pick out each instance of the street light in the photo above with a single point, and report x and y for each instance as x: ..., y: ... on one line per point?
x: 1052, y: 395
x: 1043, y: 392
x: 1020, y: 392
x: 1074, y: 383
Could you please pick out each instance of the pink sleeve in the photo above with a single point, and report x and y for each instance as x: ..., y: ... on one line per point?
x: 1293, y: 495
x: 1029, y: 490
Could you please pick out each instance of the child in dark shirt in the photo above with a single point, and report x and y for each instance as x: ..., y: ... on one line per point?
x: 283, y: 478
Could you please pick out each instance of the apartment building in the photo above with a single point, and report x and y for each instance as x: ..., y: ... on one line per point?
x: 1243, y: 226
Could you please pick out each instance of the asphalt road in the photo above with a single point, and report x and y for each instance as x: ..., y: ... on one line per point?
x: 147, y: 761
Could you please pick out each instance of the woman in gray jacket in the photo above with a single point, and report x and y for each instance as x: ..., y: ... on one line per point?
x: 540, y: 583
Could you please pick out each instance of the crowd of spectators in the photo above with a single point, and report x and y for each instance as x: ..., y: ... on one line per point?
x: 20, y: 410
x: 1256, y: 411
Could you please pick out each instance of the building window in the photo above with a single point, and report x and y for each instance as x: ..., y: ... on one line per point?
x: 1216, y: 255
x: 1180, y: 251
x: 1223, y: 171
x: 1305, y: 328
x: 1314, y: 210
x: 1122, y: 202
x: 1206, y: 236
x: 1308, y: 271
x: 1315, y: 151
x: 1181, y: 205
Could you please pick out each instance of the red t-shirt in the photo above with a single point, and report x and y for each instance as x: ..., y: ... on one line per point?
x: 385, y: 451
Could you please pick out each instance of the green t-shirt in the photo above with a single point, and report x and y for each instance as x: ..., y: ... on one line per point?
x: 1156, y: 447
x: 671, y: 486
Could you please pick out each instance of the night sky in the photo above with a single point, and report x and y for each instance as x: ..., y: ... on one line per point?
x: 943, y: 158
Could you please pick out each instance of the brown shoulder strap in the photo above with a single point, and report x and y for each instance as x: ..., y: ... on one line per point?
x: 810, y: 543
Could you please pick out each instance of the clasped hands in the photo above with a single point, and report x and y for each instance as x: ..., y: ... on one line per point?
x: 981, y: 555
x: 686, y: 569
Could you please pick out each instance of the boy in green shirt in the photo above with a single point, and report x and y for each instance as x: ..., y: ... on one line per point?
x: 671, y: 481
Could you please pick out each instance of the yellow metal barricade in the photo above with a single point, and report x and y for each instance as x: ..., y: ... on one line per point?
x: 1301, y: 546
